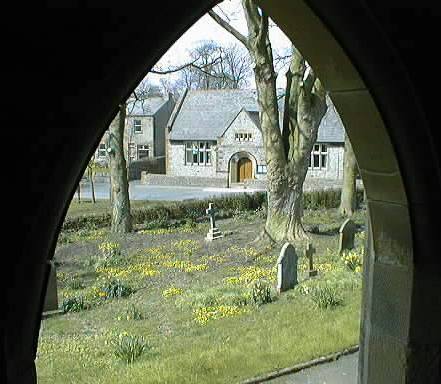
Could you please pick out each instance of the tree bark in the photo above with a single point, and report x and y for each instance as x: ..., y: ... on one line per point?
x: 121, y: 217
x: 348, y: 193
x: 90, y: 173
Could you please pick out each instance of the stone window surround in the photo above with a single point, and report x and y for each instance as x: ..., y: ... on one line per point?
x: 205, y: 150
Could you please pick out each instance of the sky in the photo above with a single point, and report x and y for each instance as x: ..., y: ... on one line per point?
x: 207, y: 29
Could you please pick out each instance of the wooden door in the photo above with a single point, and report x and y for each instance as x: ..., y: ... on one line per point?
x: 245, y: 170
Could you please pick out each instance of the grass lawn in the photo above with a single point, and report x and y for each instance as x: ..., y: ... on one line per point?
x: 192, y: 304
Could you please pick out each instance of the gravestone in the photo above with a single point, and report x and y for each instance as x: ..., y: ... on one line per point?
x: 287, y: 268
x: 347, y: 236
x: 51, y: 297
x: 309, y: 253
x: 214, y: 232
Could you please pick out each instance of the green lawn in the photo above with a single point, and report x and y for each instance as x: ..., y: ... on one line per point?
x: 198, y: 318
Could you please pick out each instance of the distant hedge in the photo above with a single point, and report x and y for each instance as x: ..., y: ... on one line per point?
x: 172, y: 211
x: 195, y: 209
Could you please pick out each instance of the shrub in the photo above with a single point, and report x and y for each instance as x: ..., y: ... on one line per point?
x: 260, y: 292
x: 326, y: 296
x: 129, y: 348
x: 116, y: 288
x: 326, y: 198
x: 74, y: 304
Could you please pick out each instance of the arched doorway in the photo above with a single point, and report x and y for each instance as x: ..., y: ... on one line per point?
x: 244, y: 170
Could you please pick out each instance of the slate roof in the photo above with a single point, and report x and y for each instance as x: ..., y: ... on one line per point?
x: 206, y: 114
x: 146, y: 107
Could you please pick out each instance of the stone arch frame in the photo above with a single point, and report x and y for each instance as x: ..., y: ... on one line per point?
x: 233, y: 162
x: 401, y: 338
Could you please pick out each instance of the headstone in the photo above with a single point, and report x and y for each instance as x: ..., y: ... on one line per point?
x: 214, y: 232
x: 287, y: 268
x: 347, y: 236
x: 309, y: 253
x: 51, y: 297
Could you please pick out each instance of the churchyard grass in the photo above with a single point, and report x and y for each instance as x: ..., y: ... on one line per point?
x: 190, y: 302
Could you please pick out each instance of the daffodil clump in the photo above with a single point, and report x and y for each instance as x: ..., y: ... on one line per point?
x: 186, y: 247
x: 145, y: 269
x: 352, y: 260
x: 185, y: 266
x: 109, y: 249
x: 251, y: 274
x: 203, y: 315
x: 218, y: 259
x: 157, y: 231
x: 172, y: 291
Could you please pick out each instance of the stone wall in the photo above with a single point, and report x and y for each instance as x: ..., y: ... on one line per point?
x: 154, y: 165
x: 151, y: 179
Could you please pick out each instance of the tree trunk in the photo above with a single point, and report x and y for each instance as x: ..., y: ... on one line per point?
x: 287, y: 151
x: 92, y: 186
x: 348, y: 193
x: 79, y: 192
x: 121, y: 217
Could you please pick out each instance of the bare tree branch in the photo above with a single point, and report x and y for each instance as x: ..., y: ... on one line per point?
x: 229, y: 28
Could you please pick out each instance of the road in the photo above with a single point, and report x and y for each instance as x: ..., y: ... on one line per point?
x: 138, y: 191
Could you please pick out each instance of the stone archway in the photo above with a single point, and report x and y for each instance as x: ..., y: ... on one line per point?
x: 401, y: 336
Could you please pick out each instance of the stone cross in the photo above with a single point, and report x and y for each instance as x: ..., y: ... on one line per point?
x: 347, y: 236
x: 51, y: 297
x: 214, y: 232
x: 211, y: 212
x: 287, y: 268
x: 309, y: 253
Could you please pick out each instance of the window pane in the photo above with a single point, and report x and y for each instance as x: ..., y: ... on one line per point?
x: 324, y: 148
x: 208, y: 145
x: 188, y: 145
x: 189, y: 157
x: 324, y: 161
x: 201, y: 157
x: 309, y: 162
x: 195, y: 158
x: 316, y: 147
x: 316, y: 161
x: 208, y: 157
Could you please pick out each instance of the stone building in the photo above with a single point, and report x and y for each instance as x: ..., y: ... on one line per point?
x: 144, y: 137
x: 214, y: 138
